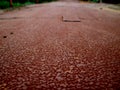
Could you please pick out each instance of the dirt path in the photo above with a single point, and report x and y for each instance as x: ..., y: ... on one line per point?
x: 61, y: 46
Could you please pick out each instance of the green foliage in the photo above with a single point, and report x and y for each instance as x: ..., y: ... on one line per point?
x: 28, y: 3
x: 17, y: 3
x: 4, y: 4
x: 95, y: 0
x: 105, y: 1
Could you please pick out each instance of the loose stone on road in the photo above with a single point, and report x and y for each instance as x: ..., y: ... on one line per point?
x: 39, y: 50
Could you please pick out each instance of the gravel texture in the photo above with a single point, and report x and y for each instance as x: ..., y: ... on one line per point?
x: 39, y: 51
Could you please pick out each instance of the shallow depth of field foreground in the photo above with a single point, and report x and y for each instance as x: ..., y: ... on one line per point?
x: 61, y: 45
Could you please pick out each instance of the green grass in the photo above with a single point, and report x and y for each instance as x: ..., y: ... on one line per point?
x: 17, y: 4
x: 29, y: 3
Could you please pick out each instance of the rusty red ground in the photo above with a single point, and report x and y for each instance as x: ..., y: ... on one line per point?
x: 39, y: 51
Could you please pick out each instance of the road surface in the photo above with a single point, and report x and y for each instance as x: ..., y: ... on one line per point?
x: 60, y: 46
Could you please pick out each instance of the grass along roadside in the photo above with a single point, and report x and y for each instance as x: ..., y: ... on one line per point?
x: 115, y: 7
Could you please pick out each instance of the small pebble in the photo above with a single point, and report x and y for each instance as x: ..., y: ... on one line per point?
x: 11, y: 33
x: 4, y: 36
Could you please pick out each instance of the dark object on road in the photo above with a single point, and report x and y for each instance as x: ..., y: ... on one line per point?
x: 11, y: 33
x: 4, y: 36
x: 68, y: 18
x: 71, y: 20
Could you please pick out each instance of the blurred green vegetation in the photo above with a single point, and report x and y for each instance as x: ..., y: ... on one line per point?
x: 105, y: 1
x: 95, y: 0
x: 4, y: 4
x: 17, y: 3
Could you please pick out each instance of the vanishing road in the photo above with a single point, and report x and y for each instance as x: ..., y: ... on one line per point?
x: 60, y: 46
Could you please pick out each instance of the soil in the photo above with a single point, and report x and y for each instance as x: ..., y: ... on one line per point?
x: 43, y: 52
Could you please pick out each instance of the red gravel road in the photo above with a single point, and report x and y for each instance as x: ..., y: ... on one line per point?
x: 41, y: 51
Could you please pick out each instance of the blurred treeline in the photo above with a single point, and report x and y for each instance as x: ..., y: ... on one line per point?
x: 105, y: 1
x: 16, y: 3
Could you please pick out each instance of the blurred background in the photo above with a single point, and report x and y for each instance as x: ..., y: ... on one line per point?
x: 17, y: 3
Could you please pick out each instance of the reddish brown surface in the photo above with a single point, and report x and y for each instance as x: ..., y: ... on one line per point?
x: 40, y: 51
